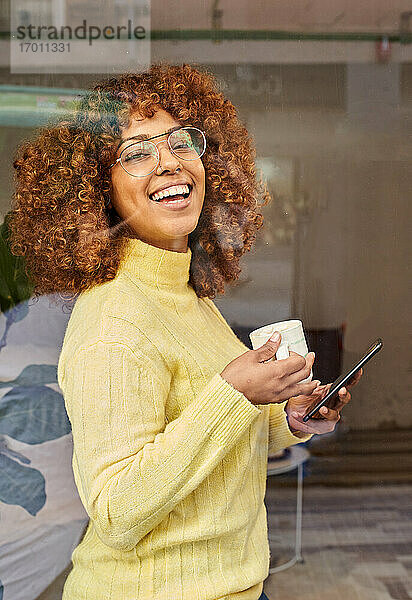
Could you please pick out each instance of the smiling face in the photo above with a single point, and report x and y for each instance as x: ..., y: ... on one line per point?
x: 164, y: 224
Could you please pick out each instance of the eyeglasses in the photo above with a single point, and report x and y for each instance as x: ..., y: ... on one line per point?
x: 141, y: 158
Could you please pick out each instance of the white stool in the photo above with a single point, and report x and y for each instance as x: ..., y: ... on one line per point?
x: 295, y: 459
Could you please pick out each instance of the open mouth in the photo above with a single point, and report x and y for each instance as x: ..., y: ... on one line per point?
x: 173, y: 194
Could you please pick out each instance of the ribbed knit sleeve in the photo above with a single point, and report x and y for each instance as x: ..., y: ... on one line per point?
x: 131, y: 468
x: 280, y: 435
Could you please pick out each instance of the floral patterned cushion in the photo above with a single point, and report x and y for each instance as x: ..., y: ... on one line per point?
x: 42, y: 518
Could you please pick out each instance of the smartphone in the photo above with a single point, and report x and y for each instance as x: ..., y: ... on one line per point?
x: 343, y: 379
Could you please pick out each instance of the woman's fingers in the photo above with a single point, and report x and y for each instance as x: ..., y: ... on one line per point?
x: 309, y: 358
x: 325, y: 389
x: 355, y: 379
x: 293, y: 376
x: 294, y: 364
x: 296, y: 378
x: 313, y: 425
x: 329, y: 414
x: 301, y: 389
x: 333, y: 413
x: 344, y: 398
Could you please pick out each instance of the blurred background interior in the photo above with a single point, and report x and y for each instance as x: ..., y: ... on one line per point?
x: 325, y: 88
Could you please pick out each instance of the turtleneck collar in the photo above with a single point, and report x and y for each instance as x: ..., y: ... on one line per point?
x: 156, y: 266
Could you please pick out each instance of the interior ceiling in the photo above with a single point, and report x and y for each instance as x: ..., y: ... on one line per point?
x: 289, y: 15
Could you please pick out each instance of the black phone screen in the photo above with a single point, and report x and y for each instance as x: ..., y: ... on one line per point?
x: 343, y: 379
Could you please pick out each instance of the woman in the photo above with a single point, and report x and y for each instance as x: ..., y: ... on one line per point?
x: 141, y: 206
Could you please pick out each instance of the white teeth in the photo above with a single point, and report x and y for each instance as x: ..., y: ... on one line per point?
x: 171, y: 191
x: 174, y: 201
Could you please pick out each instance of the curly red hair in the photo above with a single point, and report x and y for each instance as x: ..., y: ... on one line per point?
x: 63, y: 184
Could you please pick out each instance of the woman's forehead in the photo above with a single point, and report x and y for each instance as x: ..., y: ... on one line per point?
x: 147, y: 127
x: 160, y: 121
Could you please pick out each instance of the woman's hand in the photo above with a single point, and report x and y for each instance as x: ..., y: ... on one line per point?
x: 265, y: 381
x: 298, y: 406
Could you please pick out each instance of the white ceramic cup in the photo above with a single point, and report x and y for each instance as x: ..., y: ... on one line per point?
x: 293, y: 338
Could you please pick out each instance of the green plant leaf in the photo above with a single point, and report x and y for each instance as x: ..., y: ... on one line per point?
x: 14, y: 283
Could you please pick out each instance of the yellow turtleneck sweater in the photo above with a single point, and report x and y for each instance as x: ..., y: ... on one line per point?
x: 169, y: 459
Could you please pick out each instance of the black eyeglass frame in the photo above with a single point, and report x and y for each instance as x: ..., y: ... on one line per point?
x: 119, y: 159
